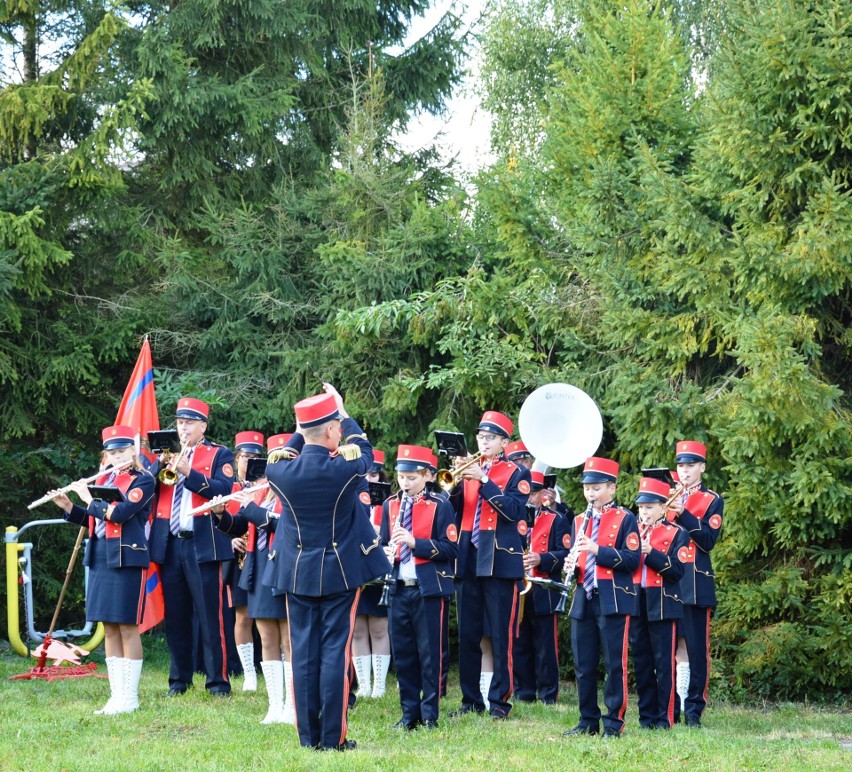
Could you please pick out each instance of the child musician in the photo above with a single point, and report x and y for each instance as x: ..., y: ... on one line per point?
x: 653, y: 631
x: 420, y: 531
x: 536, y: 651
x: 606, y: 538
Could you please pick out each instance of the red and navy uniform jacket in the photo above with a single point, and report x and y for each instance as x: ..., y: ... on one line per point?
x: 245, y: 522
x: 212, y: 474
x: 433, y: 525
x: 502, y: 522
x: 617, y: 559
x: 324, y: 543
x: 662, y: 572
x: 702, y: 520
x: 126, y: 543
x: 550, y: 537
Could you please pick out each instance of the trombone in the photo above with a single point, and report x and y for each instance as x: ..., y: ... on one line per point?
x: 85, y: 480
x: 449, y: 478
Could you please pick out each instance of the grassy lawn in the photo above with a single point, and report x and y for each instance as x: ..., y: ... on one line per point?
x: 51, y: 726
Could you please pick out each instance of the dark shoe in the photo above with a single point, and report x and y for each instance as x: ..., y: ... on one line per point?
x: 581, y: 730
x: 499, y: 716
x: 408, y: 725
x: 219, y: 693
x: 175, y: 692
x: 548, y: 702
x: 346, y: 745
x: 429, y: 723
x: 525, y: 698
x: 466, y: 709
x: 693, y: 722
x: 613, y: 734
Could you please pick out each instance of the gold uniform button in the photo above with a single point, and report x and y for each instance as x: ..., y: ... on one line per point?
x: 133, y: 545
x: 334, y: 544
x: 609, y: 573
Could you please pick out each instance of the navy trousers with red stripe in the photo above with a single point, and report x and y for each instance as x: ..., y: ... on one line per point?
x: 193, y: 590
x: 536, y: 657
x: 589, y: 635
x: 415, y: 630
x: 695, y: 627
x: 496, y: 600
x: 653, y: 646
x: 320, y: 637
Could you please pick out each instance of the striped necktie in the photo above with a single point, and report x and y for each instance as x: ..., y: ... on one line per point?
x: 177, y: 500
x: 262, y: 535
x: 474, y: 534
x: 591, y: 560
x: 405, y: 522
x: 100, y: 525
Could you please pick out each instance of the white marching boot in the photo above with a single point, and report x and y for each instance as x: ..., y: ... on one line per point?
x: 289, y: 704
x: 682, y: 684
x: 362, y: 673
x: 381, y: 663
x: 132, y: 672
x: 485, y: 687
x: 115, y: 671
x: 273, y: 674
x: 246, y: 653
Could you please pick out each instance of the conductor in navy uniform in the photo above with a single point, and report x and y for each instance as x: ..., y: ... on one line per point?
x: 326, y: 548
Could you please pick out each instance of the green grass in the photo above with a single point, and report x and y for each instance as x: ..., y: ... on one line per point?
x: 51, y: 726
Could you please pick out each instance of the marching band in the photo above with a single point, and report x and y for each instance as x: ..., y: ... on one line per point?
x: 314, y: 549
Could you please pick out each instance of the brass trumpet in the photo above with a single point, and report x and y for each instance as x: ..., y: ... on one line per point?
x: 168, y: 475
x: 449, y: 478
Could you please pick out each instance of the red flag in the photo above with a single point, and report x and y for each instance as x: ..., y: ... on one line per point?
x: 139, y: 405
x: 139, y: 409
x: 155, y: 607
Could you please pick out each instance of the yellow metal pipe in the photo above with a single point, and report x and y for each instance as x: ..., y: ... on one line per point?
x: 12, y: 594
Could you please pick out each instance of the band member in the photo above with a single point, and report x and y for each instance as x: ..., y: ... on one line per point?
x: 325, y: 550
x: 492, y: 506
x: 117, y: 556
x: 247, y: 445
x: 699, y: 512
x: 371, y: 643
x: 536, y: 653
x: 435, y: 489
x: 191, y: 550
x: 606, y: 540
x: 256, y: 520
x: 653, y: 631
x: 420, y: 531
x: 518, y: 453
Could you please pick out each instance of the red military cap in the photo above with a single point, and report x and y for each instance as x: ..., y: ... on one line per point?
x: 495, y: 422
x: 537, y: 480
x: 316, y: 410
x: 118, y: 437
x: 516, y: 450
x: 433, y: 463
x: 690, y: 451
x: 411, y: 458
x: 250, y: 442
x: 599, y: 470
x: 651, y: 489
x: 189, y: 407
x: 378, y: 460
x: 277, y: 441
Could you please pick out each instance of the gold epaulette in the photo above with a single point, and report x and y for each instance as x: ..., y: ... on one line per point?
x: 351, y: 437
x: 350, y: 452
x: 281, y: 454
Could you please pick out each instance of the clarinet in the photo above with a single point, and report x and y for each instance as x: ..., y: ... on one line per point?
x: 384, y: 600
x: 574, y: 554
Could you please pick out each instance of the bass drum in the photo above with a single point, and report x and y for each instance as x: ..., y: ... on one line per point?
x: 560, y: 425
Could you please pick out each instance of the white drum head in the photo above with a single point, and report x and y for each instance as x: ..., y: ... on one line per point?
x: 560, y: 425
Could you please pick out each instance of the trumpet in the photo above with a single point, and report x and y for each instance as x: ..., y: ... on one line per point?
x: 217, y: 500
x: 85, y: 480
x: 168, y: 474
x: 449, y: 478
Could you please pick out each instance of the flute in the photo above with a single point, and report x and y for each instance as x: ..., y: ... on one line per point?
x: 217, y: 500
x: 85, y: 480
